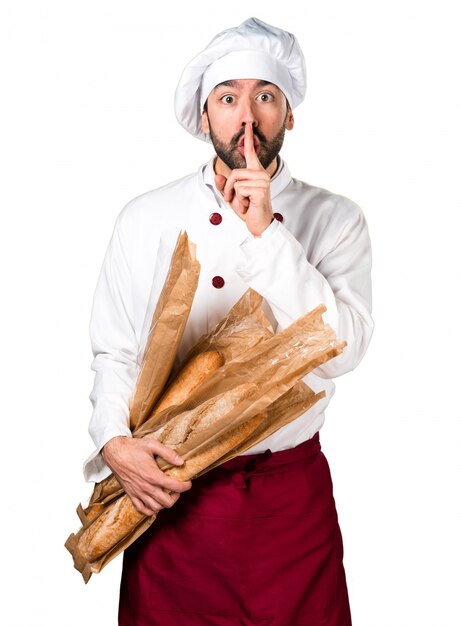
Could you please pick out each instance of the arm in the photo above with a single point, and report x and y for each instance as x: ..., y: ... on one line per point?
x: 277, y: 267
x: 115, y: 349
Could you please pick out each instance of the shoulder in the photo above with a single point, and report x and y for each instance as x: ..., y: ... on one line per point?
x: 323, y: 203
x: 152, y: 216
x: 159, y: 202
x: 324, y: 211
x: 320, y: 219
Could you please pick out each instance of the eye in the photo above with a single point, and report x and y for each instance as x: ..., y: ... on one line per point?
x: 265, y: 97
x: 227, y: 99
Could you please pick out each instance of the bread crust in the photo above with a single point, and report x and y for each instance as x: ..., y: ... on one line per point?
x: 109, y: 528
x: 214, y: 451
x: 192, y: 375
x: 121, y: 518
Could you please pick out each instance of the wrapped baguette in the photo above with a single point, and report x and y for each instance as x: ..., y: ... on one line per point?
x: 193, y: 374
x: 120, y: 518
x: 189, y: 378
x: 223, y: 444
x: 109, y: 528
x: 188, y: 426
x: 166, y: 330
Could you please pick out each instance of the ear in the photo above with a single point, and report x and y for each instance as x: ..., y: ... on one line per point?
x: 290, y: 120
x: 205, y: 124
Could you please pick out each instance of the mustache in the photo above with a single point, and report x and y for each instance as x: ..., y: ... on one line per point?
x: 236, y: 138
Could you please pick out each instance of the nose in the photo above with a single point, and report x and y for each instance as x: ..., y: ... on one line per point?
x: 248, y: 113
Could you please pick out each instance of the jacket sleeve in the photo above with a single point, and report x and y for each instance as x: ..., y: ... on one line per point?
x: 115, y: 349
x: 276, y: 266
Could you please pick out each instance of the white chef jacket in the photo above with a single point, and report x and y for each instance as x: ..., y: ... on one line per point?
x: 319, y: 253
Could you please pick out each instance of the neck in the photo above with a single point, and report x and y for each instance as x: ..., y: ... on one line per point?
x: 221, y: 168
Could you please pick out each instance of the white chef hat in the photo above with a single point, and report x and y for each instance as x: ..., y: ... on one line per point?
x: 252, y: 50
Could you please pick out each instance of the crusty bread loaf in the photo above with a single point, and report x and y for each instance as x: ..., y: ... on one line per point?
x: 187, y: 426
x: 215, y: 450
x: 121, y: 518
x: 194, y: 373
x: 112, y: 526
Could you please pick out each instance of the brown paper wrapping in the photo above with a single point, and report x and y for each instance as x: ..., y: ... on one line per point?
x: 287, y: 408
x: 167, y: 328
x: 244, y: 326
x: 257, y: 391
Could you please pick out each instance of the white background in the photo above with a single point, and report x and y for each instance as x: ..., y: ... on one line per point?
x: 87, y: 123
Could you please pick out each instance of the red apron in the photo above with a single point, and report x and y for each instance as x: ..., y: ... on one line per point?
x: 254, y: 542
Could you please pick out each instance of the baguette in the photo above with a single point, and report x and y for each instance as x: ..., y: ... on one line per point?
x: 189, y: 378
x: 110, y: 527
x: 121, y: 518
x: 186, y: 427
x: 193, y: 374
x: 214, y: 451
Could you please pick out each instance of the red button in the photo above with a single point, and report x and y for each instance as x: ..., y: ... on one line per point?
x: 278, y: 217
x: 215, y: 219
x: 217, y: 281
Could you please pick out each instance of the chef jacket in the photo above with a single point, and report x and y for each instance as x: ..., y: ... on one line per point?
x: 316, y: 251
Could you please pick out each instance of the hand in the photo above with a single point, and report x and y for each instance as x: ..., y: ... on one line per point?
x: 133, y: 464
x: 248, y: 189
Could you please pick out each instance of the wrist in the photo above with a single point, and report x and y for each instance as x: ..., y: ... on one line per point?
x: 110, y: 445
x: 259, y: 229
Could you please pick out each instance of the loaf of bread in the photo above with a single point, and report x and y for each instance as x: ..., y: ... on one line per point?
x: 194, y: 373
x: 188, y: 426
x: 109, y: 528
x: 121, y: 518
x: 216, y: 450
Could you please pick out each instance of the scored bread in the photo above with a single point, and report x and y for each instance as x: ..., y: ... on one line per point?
x: 109, y: 528
x: 216, y: 449
x: 187, y: 426
x: 121, y: 518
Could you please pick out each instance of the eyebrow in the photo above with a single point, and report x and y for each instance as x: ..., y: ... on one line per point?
x: 234, y: 84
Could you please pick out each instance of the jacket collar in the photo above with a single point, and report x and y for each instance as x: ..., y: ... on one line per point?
x: 280, y: 180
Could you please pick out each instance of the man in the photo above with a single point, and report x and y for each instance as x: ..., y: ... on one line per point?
x: 255, y: 541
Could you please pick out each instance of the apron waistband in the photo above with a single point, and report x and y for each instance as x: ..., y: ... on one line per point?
x: 243, y: 467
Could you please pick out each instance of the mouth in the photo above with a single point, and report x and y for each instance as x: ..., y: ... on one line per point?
x: 241, y: 145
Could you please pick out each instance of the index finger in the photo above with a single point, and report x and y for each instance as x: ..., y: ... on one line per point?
x: 251, y: 158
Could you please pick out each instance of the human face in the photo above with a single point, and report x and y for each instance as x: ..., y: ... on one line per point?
x: 233, y: 104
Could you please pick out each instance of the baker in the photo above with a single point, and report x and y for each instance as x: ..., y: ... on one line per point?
x: 257, y: 540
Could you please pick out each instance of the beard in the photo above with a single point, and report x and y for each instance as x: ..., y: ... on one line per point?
x: 229, y: 154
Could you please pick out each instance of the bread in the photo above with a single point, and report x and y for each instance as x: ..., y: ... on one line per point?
x: 121, y: 518
x: 212, y: 452
x: 194, y: 373
x: 186, y: 427
x: 109, y: 528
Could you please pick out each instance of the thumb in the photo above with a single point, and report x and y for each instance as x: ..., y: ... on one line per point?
x: 220, y: 181
x: 166, y: 453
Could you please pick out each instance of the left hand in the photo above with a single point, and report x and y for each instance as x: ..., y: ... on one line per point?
x: 248, y: 189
